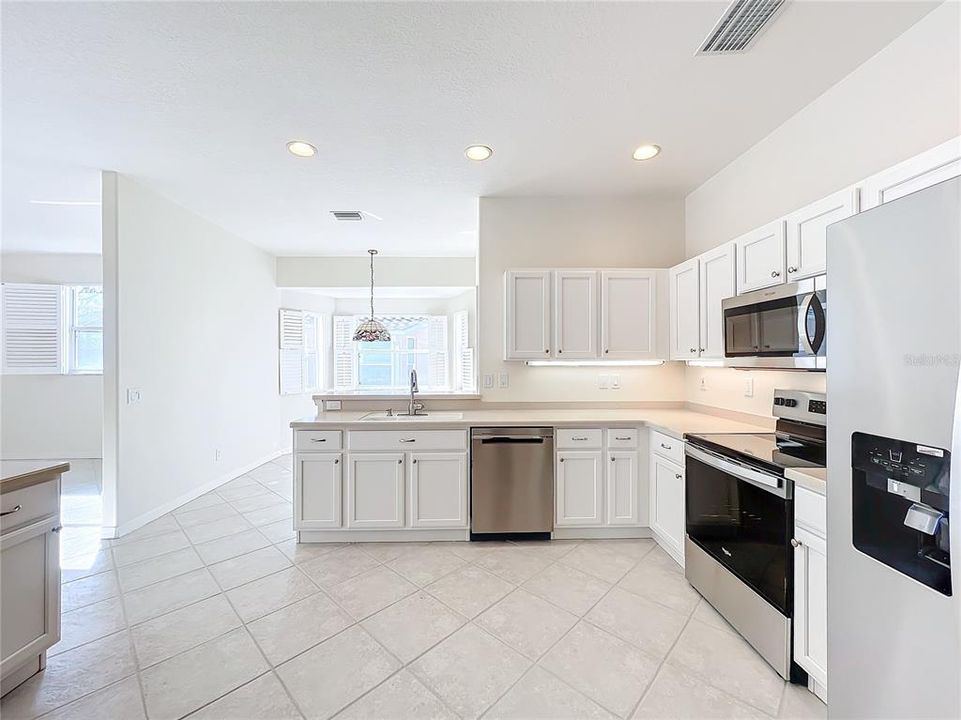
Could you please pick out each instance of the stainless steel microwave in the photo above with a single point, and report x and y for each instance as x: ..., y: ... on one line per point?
x: 780, y: 327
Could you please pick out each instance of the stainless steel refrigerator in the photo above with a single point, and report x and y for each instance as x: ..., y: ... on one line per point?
x: 894, y: 459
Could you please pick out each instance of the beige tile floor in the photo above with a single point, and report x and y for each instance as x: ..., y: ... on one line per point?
x: 213, y: 611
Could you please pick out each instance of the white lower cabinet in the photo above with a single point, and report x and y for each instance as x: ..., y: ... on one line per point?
x: 438, y: 490
x: 667, y: 505
x: 375, y: 490
x: 318, y: 485
x: 810, y: 588
x: 622, y: 500
x: 579, y: 486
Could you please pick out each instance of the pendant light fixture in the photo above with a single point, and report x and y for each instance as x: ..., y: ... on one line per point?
x: 371, y: 330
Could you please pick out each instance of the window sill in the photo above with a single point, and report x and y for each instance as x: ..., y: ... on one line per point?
x: 394, y: 395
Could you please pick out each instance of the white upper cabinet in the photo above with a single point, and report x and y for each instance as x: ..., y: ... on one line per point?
x: 806, y: 233
x: 628, y: 314
x: 575, y: 314
x: 685, y: 310
x: 528, y: 315
x: 939, y: 163
x: 717, y: 272
x: 761, y: 257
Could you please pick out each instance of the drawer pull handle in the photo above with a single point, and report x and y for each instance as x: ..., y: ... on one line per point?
x: 622, y: 438
x: 666, y: 447
x: 18, y: 508
x: 677, y: 476
x: 578, y: 439
x: 408, y: 440
x: 795, y: 542
x: 318, y: 439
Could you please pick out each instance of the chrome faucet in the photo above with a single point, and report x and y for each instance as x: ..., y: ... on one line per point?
x: 413, y: 407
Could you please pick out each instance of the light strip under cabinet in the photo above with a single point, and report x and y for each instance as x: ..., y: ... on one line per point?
x: 705, y: 363
x: 594, y: 363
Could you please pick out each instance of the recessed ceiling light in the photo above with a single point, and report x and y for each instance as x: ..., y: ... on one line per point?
x: 478, y: 152
x: 646, y: 152
x: 301, y: 148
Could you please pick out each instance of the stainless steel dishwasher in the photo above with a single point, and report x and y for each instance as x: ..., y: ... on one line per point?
x: 512, y: 480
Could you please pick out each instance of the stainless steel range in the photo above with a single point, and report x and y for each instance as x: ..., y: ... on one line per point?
x: 740, y: 521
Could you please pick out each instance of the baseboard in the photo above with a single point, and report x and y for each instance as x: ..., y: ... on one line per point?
x: 367, y: 536
x: 151, y: 515
x: 604, y: 533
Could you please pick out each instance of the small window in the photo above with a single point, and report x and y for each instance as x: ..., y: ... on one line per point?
x: 85, y: 304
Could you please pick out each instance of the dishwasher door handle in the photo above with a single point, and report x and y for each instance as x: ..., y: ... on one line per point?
x: 510, y: 439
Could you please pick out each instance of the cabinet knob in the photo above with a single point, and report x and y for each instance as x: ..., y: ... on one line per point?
x: 676, y: 475
x: 606, y: 351
x: 703, y: 350
x: 547, y: 352
x: 792, y: 269
x: 613, y: 460
x: 562, y: 459
x: 336, y: 461
x: 775, y: 273
x: 693, y: 350
x: 400, y: 462
x: 795, y: 542
x: 559, y: 351
x: 414, y: 461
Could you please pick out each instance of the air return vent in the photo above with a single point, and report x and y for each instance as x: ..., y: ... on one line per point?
x: 347, y: 215
x: 740, y: 25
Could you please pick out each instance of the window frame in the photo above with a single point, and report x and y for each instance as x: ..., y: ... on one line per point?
x: 72, y: 330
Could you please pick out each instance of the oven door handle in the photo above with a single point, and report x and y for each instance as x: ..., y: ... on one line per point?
x: 773, y: 484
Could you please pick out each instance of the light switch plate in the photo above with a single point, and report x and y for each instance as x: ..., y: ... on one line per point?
x: 488, y: 380
x: 602, y: 382
x: 504, y: 380
x: 134, y: 395
x: 748, y: 387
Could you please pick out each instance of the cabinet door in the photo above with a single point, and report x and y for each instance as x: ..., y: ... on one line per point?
x: 933, y: 166
x: 527, y: 324
x: 575, y: 314
x: 760, y: 258
x: 579, y: 488
x: 717, y: 275
x: 375, y: 490
x: 29, y: 592
x: 317, y: 490
x: 685, y: 310
x: 806, y: 233
x: 810, y: 604
x: 622, y: 500
x: 628, y: 314
x: 438, y: 490
x: 667, y: 505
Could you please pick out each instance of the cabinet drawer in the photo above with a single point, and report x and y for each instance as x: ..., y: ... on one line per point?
x: 810, y: 510
x: 393, y: 440
x: 667, y: 447
x: 617, y: 438
x: 573, y: 439
x: 320, y: 440
x: 35, y: 502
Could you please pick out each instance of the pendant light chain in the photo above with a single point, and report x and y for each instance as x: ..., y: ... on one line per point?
x: 372, y: 253
x: 371, y: 330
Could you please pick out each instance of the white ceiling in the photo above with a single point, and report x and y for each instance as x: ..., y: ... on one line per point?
x: 199, y: 99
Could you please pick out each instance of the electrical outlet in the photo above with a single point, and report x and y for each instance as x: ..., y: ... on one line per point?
x: 615, y: 382
x: 332, y: 405
x: 703, y: 384
x: 218, y: 455
x: 488, y: 380
x: 749, y: 387
x: 602, y: 382
x: 503, y: 380
x: 134, y: 395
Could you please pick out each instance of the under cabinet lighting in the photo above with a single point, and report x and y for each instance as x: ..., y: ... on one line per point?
x: 705, y: 363
x: 594, y: 363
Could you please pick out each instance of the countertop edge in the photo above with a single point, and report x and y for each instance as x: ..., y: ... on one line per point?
x: 807, y: 479
x: 32, y: 477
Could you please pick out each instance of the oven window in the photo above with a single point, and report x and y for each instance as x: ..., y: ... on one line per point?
x: 743, y: 527
x: 765, y: 329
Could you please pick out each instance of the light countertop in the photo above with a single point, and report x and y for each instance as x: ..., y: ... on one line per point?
x: 18, y: 474
x: 676, y: 423
x: 814, y: 479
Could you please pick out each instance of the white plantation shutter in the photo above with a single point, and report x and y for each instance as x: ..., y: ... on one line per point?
x: 300, y: 368
x: 311, y: 352
x: 463, y: 353
x: 437, y: 357
x: 32, y: 325
x: 291, y: 328
x: 345, y: 368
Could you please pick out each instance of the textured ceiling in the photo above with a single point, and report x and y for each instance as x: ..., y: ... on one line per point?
x: 199, y: 99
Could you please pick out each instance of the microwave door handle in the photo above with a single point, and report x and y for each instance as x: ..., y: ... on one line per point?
x: 802, y: 325
x: 765, y: 481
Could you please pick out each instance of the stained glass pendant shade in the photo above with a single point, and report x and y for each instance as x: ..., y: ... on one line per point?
x: 371, y: 330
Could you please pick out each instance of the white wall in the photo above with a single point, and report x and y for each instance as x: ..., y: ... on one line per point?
x: 572, y: 232
x: 51, y: 416
x: 317, y: 272
x: 195, y: 313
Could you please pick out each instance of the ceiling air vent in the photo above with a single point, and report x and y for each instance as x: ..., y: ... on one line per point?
x: 740, y: 25
x: 347, y: 215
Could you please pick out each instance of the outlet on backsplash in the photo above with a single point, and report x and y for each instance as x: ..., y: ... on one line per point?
x: 748, y: 387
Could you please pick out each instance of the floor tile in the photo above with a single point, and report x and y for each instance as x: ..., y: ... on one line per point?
x: 88, y: 590
x: 706, y: 613
x: 215, y: 551
x: 158, y: 568
x: 89, y: 623
x: 299, y: 553
x: 657, y: 577
x: 601, y: 561
x: 70, y: 676
x: 183, y: 629
x: 238, y: 492
x: 263, y: 596
x: 469, y: 551
x: 154, y: 600
x: 411, y: 626
x: 267, y: 515
x: 645, y: 624
x: 204, y: 501
x: 675, y: 695
x: 387, y: 551
x: 298, y: 627
x: 799, y: 703
x: 402, y: 697
x: 85, y: 565
x: 635, y: 547
x: 241, y: 570
x: 279, y: 531
x: 120, y: 700
x: 469, y: 590
x: 425, y: 565
x: 567, y: 587
x: 514, y: 564
x: 161, y: 526
x: 608, y: 670
x: 553, y: 549
x: 338, y: 671
x: 140, y: 550
x: 526, y: 622
x: 192, y: 679
x: 205, y: 515
x: 258, y: 502
x: 541, y: 696
x: 371, y: 591
x: 269, y: 471
x: 263, y: 698
x: 728, y: 662
x: 217, y: 529
x: 470, y: 670
x: 285, y: 461
x: 335, y: 567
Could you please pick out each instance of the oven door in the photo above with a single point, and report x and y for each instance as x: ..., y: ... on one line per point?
x: 777, y: 327
x: 743, y: 517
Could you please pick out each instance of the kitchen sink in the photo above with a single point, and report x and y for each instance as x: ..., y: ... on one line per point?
x: 384, y: 417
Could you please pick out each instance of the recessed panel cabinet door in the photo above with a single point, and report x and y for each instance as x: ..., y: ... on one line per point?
x: 438, y: 490
x: 717, y: 283
x: 575, y: 314
x: 760, y: 258
x: 667, y: 504
x: 685, y: 310
x: 937, y: 164
x: 622, y: 500
x: 527, y: 304
x: 628, y: 314
x: 375, y: 490
x: 318, y: 490
x: 579, y: 485
x: 811, y: 604
x: 807, y: 233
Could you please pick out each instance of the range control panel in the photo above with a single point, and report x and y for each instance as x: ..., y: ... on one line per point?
x: 801, y: 406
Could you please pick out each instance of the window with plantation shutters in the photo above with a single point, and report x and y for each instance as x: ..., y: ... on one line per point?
x: 463, y: 353
x: 300, y: 357
x: 345, y: 362
x: 32, y: 329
